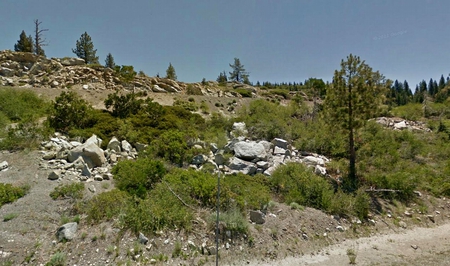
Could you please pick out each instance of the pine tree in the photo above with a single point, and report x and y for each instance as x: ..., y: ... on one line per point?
x: 85, y: 49
x: 170, y: 72
x: 354, y: 96
x: 222, y: 78
x: 431, y: 89
x: 24, y: 44
x: 441, y: 82
x: 39, y: 40
x: 109, y: 61
x: 238, y: 74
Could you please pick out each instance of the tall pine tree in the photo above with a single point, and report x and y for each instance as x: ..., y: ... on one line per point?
x: 355, y: 95
x: 85, y: 49
x: 238, y: 74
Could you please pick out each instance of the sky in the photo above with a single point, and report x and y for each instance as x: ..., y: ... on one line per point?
x: 275, y: 40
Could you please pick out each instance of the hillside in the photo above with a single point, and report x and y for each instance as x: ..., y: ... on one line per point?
x: 281, y: 166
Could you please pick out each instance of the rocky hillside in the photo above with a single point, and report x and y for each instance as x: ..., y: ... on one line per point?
x: 29, y: 70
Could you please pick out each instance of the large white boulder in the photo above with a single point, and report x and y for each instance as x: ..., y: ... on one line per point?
x: 250, y: 151
x: 91, y: 153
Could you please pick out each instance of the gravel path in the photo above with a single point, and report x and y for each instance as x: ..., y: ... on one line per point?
x: 419, y: 246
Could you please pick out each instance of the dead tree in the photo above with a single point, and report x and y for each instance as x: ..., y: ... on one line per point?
x: 39, y: 41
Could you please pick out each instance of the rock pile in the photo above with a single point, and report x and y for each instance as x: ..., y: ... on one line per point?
x: 86, y: 161
x: 396, y: 123
x: 252, y: 157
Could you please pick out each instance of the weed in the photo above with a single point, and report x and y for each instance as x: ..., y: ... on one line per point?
x: 176, y: 250
x: 9, y: 216
x: 58, y: 259
x: 351, y: 253
x: 296, y: 206
x: 73, y: 191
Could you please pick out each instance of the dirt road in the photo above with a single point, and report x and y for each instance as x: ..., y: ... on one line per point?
x: 419, y: 246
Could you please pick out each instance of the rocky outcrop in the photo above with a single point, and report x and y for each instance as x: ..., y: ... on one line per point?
x: 396, y: 123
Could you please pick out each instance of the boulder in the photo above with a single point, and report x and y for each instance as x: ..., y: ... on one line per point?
x: 72, y: 61
x: 312, y: 160
x: 280, y: 143
x: 250, y: 151
x: 54, y: 175
x: 239, y: 129
x: 126, y: 146
x: 114, y: 145
x: 257, y: 217
x: 320, y: 170
x: 94, y: 139
x: 91, y: 153
x: 238, y: 165
x: 142, y: 239
x: 67, y: 231
x: 4, y: 165
x: 199, y: 159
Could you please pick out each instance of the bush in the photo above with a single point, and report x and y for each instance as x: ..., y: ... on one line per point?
x: 137, y: 177
x: 247, y: 192
x: 21, y: 105
x: 244, y: 92
x: 106, y: 206
x: 160, y: 210
x: 10, y: 193
x: 171, y: 146
x: 25, y: 135
x: 73, y: 191
x: 123, y: 105
x: 69, y: 111
x: 296, y: 183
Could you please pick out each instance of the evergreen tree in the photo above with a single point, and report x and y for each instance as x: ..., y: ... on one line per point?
x: 431, y: 89
x: 109, y: 62
x: 407, y: 90
x: 355, y: 95
x: 222, y: 78
x: 24, y: 44
x: 170, y: 72
x: 85, y: 49
x: 238, y: 74
x: 441, y: 82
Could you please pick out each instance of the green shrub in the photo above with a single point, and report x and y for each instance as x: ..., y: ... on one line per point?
x: 58, y: 259
x: 25, y: 135
x: 244, y: 92
x: 73, y: 191
x: 20, y: 105
x: 123, y: 105
x: 160, y: 210
x: 247, y: 192
x: 171, y: 146
x: 106, y: 206
x: 233, y: 220
x: 69, y: 111
x: 411, y: 111
x: 280, y: 92
x: 9, y: 216
x: 10, y: 193
x: 137, y: 177
x: 362, y: 204
x: 296, y: 183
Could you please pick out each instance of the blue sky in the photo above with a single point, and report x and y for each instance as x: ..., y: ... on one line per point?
x: 276, y: 40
